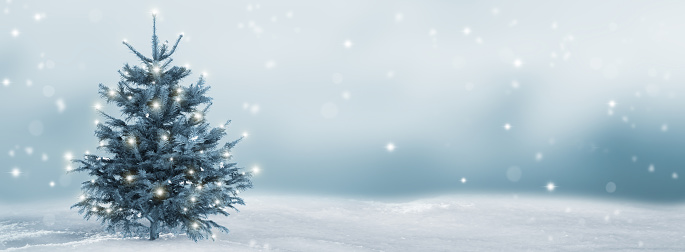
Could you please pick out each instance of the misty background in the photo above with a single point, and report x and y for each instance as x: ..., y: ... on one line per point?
x: 371, y: 99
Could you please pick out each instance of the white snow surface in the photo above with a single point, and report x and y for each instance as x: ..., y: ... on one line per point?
x: 312, y: 223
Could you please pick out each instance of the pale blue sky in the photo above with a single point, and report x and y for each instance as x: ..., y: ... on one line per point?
x: 323, y: 87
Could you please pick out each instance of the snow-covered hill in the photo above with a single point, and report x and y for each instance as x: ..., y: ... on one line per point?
x: 450, y: 223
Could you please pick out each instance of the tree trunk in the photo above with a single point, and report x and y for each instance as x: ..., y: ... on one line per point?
x: 154, y: 232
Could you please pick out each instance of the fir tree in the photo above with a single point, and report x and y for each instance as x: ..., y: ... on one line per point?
x: 164, y: 168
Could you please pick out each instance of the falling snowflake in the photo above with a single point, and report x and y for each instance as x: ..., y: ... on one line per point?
x: 390, y: 147
x: 518, y: 63
x: 347, y: 44
x: 550, y: 187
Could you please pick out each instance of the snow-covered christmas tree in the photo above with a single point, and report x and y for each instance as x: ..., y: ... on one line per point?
x: 164, y: 169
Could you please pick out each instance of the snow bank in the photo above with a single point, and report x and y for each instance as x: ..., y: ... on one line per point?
x: 451, y: 223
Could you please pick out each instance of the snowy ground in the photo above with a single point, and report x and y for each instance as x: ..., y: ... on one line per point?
x: 450, y: 223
